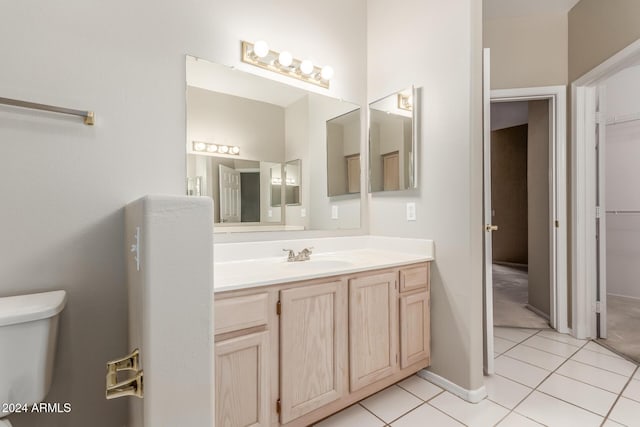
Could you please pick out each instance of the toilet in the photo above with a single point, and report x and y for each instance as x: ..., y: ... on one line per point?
x: 28, y: 333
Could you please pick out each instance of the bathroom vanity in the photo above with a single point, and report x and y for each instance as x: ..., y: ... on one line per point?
x: 297, y: 342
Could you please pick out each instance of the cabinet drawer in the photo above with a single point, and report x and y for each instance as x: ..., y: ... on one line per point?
x: 233, y: 314
x: 414, y: 278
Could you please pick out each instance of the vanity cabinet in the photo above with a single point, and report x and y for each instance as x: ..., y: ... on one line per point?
x: 313, y: 347
x: 373, y: 328
x: 242, y: 361
x: 292, y: 354
x: 242, y: 380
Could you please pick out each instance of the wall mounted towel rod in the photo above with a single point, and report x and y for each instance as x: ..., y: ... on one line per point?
x: 614, y: 120
x: 89, y: 116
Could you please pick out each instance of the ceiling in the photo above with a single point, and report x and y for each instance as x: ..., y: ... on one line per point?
x: 513, y: 8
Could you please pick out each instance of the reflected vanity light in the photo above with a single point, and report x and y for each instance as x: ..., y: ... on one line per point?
x: 284, y: 63
x: 405, y: 102
x: 207, y: 147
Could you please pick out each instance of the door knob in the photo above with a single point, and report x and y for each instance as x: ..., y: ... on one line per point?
x: 491, y: 227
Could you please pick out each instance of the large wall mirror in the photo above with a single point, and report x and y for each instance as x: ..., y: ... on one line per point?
x: 392, y: 142
x: 258, y: 148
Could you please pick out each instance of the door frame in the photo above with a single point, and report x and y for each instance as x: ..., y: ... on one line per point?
x: 584, y: 273
x: 556, y: 95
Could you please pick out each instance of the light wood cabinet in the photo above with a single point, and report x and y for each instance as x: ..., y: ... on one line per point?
x: 414, y: 328
x: 313, y: 347
x: 373, y: 328
x: 242, y: 381
x: 292, y: 354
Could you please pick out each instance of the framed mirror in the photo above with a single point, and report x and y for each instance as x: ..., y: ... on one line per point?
x: 392, y: 142
x: 343, y: 154
x: 258, y: 148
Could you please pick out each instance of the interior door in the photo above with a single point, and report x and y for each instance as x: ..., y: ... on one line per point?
x: 488, y: 274
x: 601, y: 217
x: 391, y: 171
x: 230, y: 202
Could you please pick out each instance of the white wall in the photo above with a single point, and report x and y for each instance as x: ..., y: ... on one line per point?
x: 64, y: 184
x: 622, y: 157
x: 439, y: 48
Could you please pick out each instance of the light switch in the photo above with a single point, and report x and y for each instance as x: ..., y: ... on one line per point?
x: 334, y: 211
x: 411, y: 211
x: 303, y: 212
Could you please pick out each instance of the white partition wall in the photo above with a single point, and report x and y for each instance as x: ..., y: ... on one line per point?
x: 169, y: 245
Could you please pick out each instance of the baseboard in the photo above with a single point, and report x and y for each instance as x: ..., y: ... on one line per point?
x: 472, y: 396
x: 537, y: 311
x: 624, y: 296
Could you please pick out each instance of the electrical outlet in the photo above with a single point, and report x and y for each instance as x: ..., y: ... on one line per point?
x: 411, y: 211
x: 334, y: 211
x: 270, y: 213
x: 303, y: 212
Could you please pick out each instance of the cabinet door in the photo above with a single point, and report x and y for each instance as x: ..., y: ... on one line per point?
x: 373, y: 328
x: 242, y: 381
x: 414, y: 328
x: 313, y: 347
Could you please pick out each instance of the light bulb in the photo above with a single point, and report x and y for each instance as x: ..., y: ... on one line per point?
x: 235, y: 150
x: 223, y: 149
x: 199, y: 146
x: 285, y: 59
x: 306, y: 67
x: 327, y: 72
x: 212, y: 148
x: 261, y: 49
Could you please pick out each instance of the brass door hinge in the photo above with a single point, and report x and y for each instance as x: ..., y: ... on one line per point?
x: 278, y: 308
x: 278, y: 406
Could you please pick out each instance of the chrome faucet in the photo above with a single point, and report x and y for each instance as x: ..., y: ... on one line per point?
x: 303, y: 255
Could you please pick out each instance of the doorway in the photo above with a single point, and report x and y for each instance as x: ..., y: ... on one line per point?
x: 605, y: 203
x: 520, y: 193
x: 556, y: 97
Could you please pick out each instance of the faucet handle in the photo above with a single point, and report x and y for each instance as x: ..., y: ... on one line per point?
x: 291, y: 254
x: 309, y: 249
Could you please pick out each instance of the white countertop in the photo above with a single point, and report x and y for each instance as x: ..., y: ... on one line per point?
x: 332, y: 256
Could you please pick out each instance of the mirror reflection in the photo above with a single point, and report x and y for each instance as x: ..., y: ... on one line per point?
x: 343, y: 154
x: 392, y: 146
x: 258, y: 148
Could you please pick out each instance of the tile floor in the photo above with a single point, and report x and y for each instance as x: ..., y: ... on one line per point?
x: 542, y: 378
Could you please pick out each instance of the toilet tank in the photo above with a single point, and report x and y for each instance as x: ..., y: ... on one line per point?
x: 28, y: 332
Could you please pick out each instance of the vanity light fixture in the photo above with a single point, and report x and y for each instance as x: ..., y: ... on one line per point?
x: 207, y: 147
x: 405, y: 102
x: 284, y: 63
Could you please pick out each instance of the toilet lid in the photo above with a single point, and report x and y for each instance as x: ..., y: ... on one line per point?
x: 27, y: 308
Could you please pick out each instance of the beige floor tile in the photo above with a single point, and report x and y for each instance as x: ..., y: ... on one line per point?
x: 519, y: 371
x: 611, y: 423
x: 586, y: 396
x: 565, y: 338
x: 626, y: 412
x: 500, y: 345
x: 536, y: 357
x: 607, y: 380
x: 593, y: 346
x: 633, y: 391
x: 517, y: 420
x: 551, y: 346
x: 504, y: 391
x: 420, y: 387
x: 513, y: 334
x: 354, y: 415
x: 602, y: 361
x: 425, y: 415
x: 391, y: 403
x: 554, y: 412
x: 481, y: 414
